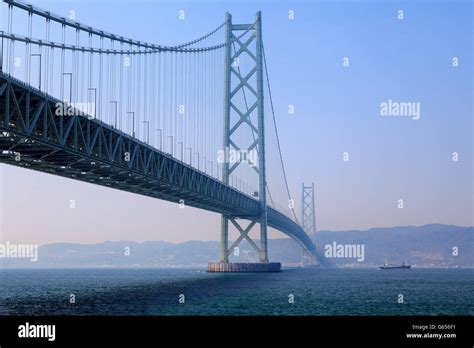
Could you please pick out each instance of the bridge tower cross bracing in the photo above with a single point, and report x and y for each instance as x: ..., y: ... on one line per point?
x: 233, y: 73
x: 308, y: 218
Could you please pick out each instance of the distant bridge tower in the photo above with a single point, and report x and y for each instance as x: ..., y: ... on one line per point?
x: 308, y: 220
x: 236, y: 83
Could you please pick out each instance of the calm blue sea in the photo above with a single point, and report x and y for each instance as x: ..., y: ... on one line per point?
x: 315, y: 292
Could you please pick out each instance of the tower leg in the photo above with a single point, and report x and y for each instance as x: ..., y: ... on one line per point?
x: 224, y: 238
x: 263, y: 239
x: 261, y: 142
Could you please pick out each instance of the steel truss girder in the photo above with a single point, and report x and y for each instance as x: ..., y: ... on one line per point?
x: 74, y: 142
x: 28, y: 127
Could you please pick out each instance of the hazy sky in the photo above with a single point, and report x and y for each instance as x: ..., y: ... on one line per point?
x: 337, y: 110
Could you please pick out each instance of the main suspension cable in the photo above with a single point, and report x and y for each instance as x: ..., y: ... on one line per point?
x: 276, y: 132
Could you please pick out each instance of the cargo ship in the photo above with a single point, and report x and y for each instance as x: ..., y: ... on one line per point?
x: 389, y: 266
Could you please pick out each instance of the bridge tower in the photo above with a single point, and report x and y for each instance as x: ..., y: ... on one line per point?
x: 251, y: 83
x: 308, y: 220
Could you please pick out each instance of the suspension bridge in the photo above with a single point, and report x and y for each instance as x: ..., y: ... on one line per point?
x: 180, y: 123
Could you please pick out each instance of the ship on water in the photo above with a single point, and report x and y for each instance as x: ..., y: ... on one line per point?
x: 389, y: 266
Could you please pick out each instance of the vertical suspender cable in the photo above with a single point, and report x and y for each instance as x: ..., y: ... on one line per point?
x: 120, y: 106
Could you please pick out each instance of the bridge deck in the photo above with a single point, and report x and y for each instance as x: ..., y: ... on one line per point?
x: 86, y: 149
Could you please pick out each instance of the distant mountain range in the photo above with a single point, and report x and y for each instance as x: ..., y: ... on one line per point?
x: 432, y: 245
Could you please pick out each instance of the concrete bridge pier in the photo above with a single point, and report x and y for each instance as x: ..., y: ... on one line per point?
x: 233, y: 267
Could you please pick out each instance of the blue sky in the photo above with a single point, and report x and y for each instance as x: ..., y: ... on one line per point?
x: 337, y: 110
